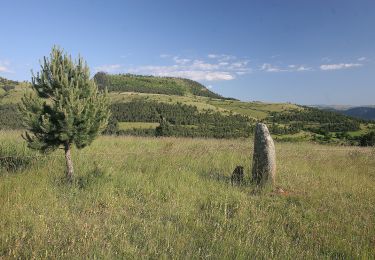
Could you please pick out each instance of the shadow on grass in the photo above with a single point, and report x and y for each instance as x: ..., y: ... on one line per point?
x: 91, y: 179
x: 226, y: 178
x: 13, y: 159
x: 246, y: 184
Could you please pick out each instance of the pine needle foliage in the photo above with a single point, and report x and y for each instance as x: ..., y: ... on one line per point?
x: 66, y: 107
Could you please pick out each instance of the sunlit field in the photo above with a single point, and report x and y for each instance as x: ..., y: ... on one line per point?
x: 172, y: 198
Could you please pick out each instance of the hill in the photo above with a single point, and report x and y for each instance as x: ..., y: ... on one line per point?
x: 152, y: 84
x: 367, y: 113
x: 361, y: 112
x: 190, y: 115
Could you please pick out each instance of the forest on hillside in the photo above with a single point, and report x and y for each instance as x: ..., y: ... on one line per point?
x: 152, y: 84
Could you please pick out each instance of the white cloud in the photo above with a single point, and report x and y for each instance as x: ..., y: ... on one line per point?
x: 164, y: 56
x: 270, y: 68
x: 110, y: 68
x: 209, y: 87
x: 214, y: 67
x: 125, y: 55
x: 182, y: 72
x: 290, y: 68
x: 4, y: 67
x: 179, y: 60
x: 362, y: 59
x: 222, y: 57
x: 303, y: 68
x: 339, y: 66
x: 201, y: 65
x: 212, y: 56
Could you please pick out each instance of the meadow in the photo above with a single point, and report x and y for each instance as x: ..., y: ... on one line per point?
x: 137, y: 197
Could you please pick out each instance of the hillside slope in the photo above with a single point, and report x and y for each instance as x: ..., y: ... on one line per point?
x: 367, y: 113
x: 186, y: 114
x: 361, y: 112
x: 151, y: 84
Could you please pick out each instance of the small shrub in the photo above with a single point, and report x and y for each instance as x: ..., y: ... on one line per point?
x: 367, y: 139
x: 14, y: 159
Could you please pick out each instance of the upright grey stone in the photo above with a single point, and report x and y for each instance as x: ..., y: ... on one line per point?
x: 264, y: 158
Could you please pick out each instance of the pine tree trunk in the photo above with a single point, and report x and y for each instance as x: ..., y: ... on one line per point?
x: 69, y: 162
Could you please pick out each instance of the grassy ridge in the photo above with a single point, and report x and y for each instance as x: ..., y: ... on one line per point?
x: 137, y: 125
x: 152, y: 84
x: 172, y: 198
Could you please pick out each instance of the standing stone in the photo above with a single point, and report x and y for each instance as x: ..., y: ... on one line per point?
x: 264, y: 158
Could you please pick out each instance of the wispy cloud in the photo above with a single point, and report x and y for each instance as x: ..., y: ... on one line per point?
x: 326, y: 59
x: 213, y: 67
x: 217, y: 67
x: 124, y: 56
x: 5, y: 67
x: 270, y: 68
x: 110, y: 68
x: 164, y: 56
x: 183, y: 72
x: 181, y: 61
x: 222, y: 57
x: 339, y: 66
x: 275, y: 56
x: 290, y: 68
x: 303, y: 68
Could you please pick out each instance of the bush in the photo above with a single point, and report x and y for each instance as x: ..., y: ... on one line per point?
x: 10, y: 118
x: 367, y: 139
x: 13, y: 158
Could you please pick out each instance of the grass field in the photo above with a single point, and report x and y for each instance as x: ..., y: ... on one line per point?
x: 172, y: 198
x: 137, y: 125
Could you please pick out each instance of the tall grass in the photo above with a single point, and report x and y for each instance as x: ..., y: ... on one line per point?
x: 172, y: 198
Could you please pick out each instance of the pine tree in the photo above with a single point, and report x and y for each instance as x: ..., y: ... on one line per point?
x: 65, y: 107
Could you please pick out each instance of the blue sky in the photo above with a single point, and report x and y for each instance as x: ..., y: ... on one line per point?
x: 306, y: 52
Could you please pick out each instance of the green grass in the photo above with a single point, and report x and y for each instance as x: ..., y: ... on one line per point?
x: 14, y: 96
x: 364, y: 130
x: 200, y: 102
x: 258, y: 110
x: 152, y: 84
x: 137, y: 125
x: 172, y: 198
x: 299, y: 137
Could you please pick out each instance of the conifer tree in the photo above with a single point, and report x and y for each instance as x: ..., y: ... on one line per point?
x: 65, y: 107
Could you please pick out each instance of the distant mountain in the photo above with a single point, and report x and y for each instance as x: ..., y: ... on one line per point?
x: 152, y: 84
x: 332, y: 107
x: 367, y: 113
x: 362, y: 112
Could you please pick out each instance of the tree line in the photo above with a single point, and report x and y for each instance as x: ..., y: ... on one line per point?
x: 315, y: 120
x: 179, y: 120
x: 187, y: 121
x: 152, y: 84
